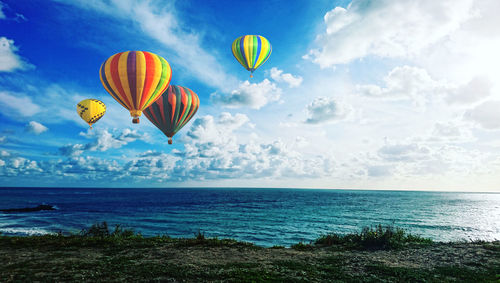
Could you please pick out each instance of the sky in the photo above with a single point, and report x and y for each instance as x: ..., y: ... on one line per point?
x: 397, y: 95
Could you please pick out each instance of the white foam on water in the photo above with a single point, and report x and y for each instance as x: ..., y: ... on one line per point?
x: 25, y: 231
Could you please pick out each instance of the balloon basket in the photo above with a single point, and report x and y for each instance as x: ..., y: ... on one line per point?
x: 169, y: 140
x: 135, y: 120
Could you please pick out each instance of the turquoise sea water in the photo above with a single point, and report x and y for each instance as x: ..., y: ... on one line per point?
x: 263, y: 216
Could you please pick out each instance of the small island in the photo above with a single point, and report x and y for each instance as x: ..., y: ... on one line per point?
x: 29, y: 209
x: 374, y: 254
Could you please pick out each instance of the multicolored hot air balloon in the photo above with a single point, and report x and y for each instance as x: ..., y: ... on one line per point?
x: 91, y: 110
x: 173, y: 110
x: 135, y: 79
x: 251, y: 51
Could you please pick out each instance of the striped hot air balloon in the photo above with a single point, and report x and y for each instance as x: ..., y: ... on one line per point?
x: 91, y: 110
x: 135, y: 79
x: 251, y: 51
x: 173, y: 110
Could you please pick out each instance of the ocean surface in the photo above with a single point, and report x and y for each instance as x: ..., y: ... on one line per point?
x: 265, y: 217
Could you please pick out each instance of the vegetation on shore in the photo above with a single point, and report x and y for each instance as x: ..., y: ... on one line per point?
x: 372, y: 255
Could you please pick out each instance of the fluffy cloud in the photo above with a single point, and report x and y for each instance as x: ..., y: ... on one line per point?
x: 253, y: 95
x: 103, y: 141
x: 17, y: 104
x: 207, y: 129
x: 476, y: 89
x: 9, y: 60
x: 403, y: 152
x: 292, y: 81
x: 212, y: 151
x: 487, y: 114
x: 417, y: 161
x: 452, y: 131
x: 417, y: 85
x: 326, y: 109
x: 406, y: 83
x: 223, y: 156
x: 387, y: 28
x: 14, y: 166
x: 35, y: 128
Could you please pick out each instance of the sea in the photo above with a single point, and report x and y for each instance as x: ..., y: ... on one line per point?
x: 263, y: 216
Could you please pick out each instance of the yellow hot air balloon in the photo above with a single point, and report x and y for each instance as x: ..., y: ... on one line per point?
x: 91, y: 110
x: 135, y: 79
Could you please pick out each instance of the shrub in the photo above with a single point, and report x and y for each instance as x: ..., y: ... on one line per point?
x: 199, y: 236
x: 97, y: 230
x: 378, y: 237
x: 302, y: 247
x: 101, y: 230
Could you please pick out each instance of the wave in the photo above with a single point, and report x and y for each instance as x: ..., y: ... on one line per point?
x: 25, y: 231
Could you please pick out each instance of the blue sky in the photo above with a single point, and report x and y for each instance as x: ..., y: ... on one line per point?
x: 362, y: 94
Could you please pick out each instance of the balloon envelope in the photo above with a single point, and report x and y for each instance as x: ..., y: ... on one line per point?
x: 135, y: 79
x: 91, y: 110
x: 173, y: 110
x: 251, y: 51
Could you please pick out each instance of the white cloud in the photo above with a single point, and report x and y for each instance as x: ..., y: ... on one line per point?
x: 106, y: 140
x: 451, y: 131
x: 379, y: 170
x: 419, y: 160
x: 14, y: 166
x: 35, y: 128
x: 403, y: 152
x: 159, y: 20
x: 231, y: 122
x: 292, y: 81
x: 103, y: 141
x: 212, y: 151
x: 470, y: 51
x: 487, y: 114
x: 326, y: 109
x: 417, y: 85
x: 387, y: 28
x: 9, y: 60
x: 2, y: 15
x: 253, y: 95
x: 216, y: 152
x: 476, y: 89
x: 18, y: 104
x: 72, y: 149
x: 406, y: 83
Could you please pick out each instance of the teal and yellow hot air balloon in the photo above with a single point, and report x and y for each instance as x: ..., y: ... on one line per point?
x: 135, y: 79
x: 251, y: 51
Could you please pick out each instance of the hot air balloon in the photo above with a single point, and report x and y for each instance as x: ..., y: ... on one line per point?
x: 91, y: 110
x: 173, y: 110
x: 135, y: 79
x: 251, y: 51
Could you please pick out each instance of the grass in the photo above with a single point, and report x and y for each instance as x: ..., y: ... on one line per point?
x: 373, y: 238
x: 101, y: 253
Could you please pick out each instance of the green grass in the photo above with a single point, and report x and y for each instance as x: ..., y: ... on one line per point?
x: 372, y: 238
x: 103, y: 254
x: 438, y: 274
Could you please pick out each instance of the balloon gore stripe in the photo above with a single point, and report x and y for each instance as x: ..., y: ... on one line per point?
x: 251, y: 51
x: 135, y: 79
x: 173, y: 109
